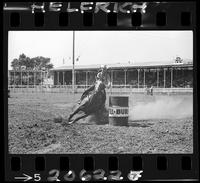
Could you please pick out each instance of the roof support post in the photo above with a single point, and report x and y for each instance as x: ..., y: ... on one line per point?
x: 164, y: 77
x: 157, y: 78
x: 171, y: 77
x: 58, y: 78
x: 125, y: 70
x: 144, y: 78
x: 138, y: 78
x: 63, y: 78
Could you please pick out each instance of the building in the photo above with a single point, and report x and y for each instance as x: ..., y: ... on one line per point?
x: 136, y: 75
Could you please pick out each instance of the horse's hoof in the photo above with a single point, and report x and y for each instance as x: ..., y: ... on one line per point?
x: 66, y: 123
x: 71, y: 122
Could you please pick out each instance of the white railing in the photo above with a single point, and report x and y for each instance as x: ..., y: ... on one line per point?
x: 81, y: 88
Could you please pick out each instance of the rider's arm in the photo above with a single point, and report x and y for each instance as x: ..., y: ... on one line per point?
x: 108, y: 83
x: 101, y: 86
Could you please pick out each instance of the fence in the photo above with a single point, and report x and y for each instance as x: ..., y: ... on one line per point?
x: 82, y: 88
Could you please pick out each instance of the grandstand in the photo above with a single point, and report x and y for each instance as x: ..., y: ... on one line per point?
x: 166, y: 75
x: 134, y: 75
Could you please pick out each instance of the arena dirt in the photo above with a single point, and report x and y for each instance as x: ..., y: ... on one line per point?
x: 32, y: 128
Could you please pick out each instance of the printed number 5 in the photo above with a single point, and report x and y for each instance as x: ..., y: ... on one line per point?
x: 37, y: 177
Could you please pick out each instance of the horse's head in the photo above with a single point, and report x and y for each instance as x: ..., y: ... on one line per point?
x: 102, y: 74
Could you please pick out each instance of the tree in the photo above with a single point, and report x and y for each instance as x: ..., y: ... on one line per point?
x: 36, y: 63
x: 15, y: 64
x: 41, y: 62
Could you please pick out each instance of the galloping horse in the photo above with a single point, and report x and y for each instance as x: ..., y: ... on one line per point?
x: 93, y: 99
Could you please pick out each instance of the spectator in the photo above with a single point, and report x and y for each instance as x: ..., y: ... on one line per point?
x: 151, y: 90
x: 147, y: 90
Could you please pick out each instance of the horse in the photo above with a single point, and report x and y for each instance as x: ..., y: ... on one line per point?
x: 92, y: 100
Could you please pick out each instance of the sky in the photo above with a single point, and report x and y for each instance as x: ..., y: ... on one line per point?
x: 101, y: 47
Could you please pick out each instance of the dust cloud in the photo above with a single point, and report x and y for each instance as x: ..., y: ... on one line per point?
x: 163, y: 108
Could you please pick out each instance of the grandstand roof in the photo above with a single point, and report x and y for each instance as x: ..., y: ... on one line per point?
x: 124, y: 65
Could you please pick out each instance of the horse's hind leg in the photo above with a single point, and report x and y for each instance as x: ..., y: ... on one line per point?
x: 81, y: 117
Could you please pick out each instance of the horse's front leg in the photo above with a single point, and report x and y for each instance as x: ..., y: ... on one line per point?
x: 81, y: 117
x: 72, y: 114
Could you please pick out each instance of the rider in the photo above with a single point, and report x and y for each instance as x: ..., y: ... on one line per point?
x: 101, y: 78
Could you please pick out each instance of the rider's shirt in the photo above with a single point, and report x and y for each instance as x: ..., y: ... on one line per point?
x: 99, y: 85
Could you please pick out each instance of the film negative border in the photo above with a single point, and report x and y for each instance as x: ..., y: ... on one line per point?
x: 107, y: 15
x: 79, y: 167
x: 102, y: 167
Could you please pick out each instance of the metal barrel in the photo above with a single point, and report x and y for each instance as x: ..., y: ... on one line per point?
x: 118, y: 110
